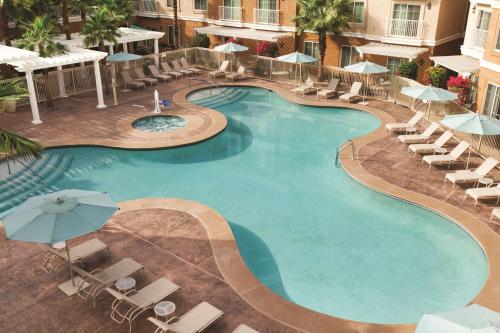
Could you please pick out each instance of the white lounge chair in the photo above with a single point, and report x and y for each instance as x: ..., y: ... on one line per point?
x: 130, y: 305
x: 422, y: 137
x: 452, y: 157
x: 352, y: 94
x: 331, y: 89
x: 239, y: 75
x: 495, y: 213
x: 425, y: 147
x: 178, y: 68
x: 307, y: 88
x: 244, y: 329
x: 168, y: 70
x: 464, y: 176
x: 142, y: 77
x: 157, y: 75
x: 222, y: 71
x: 187, y: 66
x: 403, y: 126
x: 195, y: 320
x: 492, y: 191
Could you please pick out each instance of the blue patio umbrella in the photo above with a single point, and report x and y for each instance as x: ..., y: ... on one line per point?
x: 297, y: 58
x: 230, y: 48
x: 366, y: 67
x: 429, y: 94
x: 119, y: 57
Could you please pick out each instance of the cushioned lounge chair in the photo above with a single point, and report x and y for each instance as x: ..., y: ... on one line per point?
x: 403, y: 126
x: 352, y: 94
x: 331, y: 89
x: 168, y: 70
x: 450, y: 158
x: 222, y: 71
x: 142, y: 77
x: 422, y: 137
x: 492, y: 191
x: 464, y: 176
x: 129, y: 81
x: 130, y: 305
x: 195, y: 320
x: 307, y: 88
x: 244, y: 329
x: 157, y: 75
x: 187, y: 66
x: 495, y: 213
x: 239, y: 75
x: 178, y: 68
x: 425, y: 147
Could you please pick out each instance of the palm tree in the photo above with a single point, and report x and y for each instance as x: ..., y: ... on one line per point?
x: 176, y: 23
x: 82, y: 6
x: 123, y: 10
x: 65, y: 19
x: 324, y: 17
x: 40, y: 36
x: 10, y: 8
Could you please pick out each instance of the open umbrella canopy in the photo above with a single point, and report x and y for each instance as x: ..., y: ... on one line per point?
x: 430, y: 93
x: 230, y: 48
x: 366, y: 68
x: 473, y: 123
x: 296, y: 58
x: 58, y: 216
x: 471, y: 319
x: 119, y: 57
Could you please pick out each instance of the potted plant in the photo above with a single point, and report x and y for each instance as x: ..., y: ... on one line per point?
x: 10, y: 94
x: 436, y: 76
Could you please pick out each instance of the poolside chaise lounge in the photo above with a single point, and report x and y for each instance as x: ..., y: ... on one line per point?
x: 464, y: 176
x: 157, y: 75
x: 142, y: 77
x: 222, y: 71
x: 186, y: 65
x: 168, y: 70
x: 95, y: 282
x: 129, y: 306
x: 422, y: 137
x: 195, y: 320
x: 452, y: 157
x: 238, y: 75
x: 425, y: 147
x: 331, y: 90
x: 403, y: 126
x: 492, y: 191
x: 306, y: 88
x: 178, y: 68
x: 129, y: 81
x: 352, y: 94
x: 495, y: 213
x: 244, y: 329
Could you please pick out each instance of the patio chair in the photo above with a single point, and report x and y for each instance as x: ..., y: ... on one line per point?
x: 195, y: 320
x: 404, y: 126
x: 424, y: 147
x: 452, y: 157
x: 187, y: 66
x: 307, y: 88
x: 495, y: 213
x: 178, y: 68
x: 157, y: 75
x: 239, y: 75
x: 492, y: 191
x: 95, y: 282
x: 168, y: 70
x: 130, y: 305
x: 129, y: 81
x: 244, y: 329
x: 142, y: 77
x: 352, y: 94
x: 222, y: 71
x: 331, y: 89
x: 464, y: 176
x: 424, y: 136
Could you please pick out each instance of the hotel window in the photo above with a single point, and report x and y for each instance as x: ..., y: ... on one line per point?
x: 405, y: 20
x: 497, y: 45
x: 348, y: 56
x: 311, y: 49
x: 200, y: 4
x: 393, y: 64
x: 268, y: 4
x: 358, y: 11
x: 492, y: 101
x: 170, y: 3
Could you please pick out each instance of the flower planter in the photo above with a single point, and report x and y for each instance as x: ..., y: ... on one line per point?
x: 9, y: 105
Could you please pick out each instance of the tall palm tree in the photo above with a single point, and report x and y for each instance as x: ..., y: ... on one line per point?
x: 40, y: 36
x: 324, y: 17
x: 83, y: 6
x: 10, y: 8
x: 176, y: 23
x: 65, y: 19
x: 123, y: 10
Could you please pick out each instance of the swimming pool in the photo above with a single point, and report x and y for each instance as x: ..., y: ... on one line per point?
x: 304, y: 228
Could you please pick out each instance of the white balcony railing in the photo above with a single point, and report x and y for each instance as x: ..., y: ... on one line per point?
x: 266, y: 16
x: 479, y: 37
x: 405, y: 28
x: 227, y: 13
x: 147, y: 6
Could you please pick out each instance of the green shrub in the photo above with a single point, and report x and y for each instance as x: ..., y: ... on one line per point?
x: 408, y: 69
x: 436, y: 76
x: 201, y: 40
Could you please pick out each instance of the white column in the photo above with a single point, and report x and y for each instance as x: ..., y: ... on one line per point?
x: 125, y: 50
x: 111, y: 50
x: 60, y: 81
x: 157, y: 53
x: 98, y: 85
x: 33, y: 102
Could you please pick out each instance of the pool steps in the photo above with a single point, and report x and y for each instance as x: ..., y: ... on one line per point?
x: 229, y: 96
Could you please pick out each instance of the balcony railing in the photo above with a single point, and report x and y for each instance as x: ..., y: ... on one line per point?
x: 227, y: 13
x: 266, y: 16
x: 146, y: 6
x: 405, y: 28
x: 479, y: 37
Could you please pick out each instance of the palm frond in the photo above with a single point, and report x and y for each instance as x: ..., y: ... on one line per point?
x: 14, y: 146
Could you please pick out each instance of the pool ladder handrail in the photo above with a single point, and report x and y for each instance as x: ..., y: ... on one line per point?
x: 341, y: 147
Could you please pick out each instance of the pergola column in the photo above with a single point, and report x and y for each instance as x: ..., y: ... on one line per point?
x: 33, y: 101
x: 157, y: 52
x: 60, y: 81
x: 111, y: 50
x: 125, y: 50
x: 98, y: 85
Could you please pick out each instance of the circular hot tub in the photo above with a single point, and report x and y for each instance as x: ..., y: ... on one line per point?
x: 159, y: 123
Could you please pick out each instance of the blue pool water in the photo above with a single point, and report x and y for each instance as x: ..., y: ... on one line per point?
x: 305, y: 229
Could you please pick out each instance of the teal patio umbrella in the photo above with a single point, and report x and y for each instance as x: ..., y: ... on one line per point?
x: 297, y: 58
x: 367, y: 68
x: 230, y: 48
x: 119, y: 57
x: 429, y: 94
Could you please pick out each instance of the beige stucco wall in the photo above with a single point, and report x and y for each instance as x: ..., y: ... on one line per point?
x: 452, y: 18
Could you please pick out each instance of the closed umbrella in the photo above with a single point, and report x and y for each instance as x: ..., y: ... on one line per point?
x: 230, y: 48
x: 119, y: 57
x: 58, y: 217
x: 367, y: 68
x: 297, y: 58
x: 429, y: 94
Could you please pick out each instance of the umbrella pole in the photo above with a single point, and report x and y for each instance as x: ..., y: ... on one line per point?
x: 468, y: 158
x: 69, y: 261
x: 479, y: 145
x: 113, y: 82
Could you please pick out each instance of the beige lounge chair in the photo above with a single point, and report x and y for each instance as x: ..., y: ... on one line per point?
x: 452, y: 157
x: 492, y: 191
x: 403, y: 126
x: 352, y: 94
x: 129, y: 306
x: 307, y: 88
x: 425, y: 147
x: 95, y: 282
x: 187, y: 66
x: 244, y: 329
x: 168, y: 70
x: 178, y: 68
x: 239, y: 75
x: 222, y: 71
x: 495, y: 213
x: 195, y: 320
x: 422, y: 137
x: 331, y: 89
x: 142, y: 77
x: 154, y: 72
x: 129, y: 81
x: 464, y: 176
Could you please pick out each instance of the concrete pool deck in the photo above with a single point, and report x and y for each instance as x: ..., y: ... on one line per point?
x: 378, y: 154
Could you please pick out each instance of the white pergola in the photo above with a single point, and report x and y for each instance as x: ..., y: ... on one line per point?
x: 8, y: 54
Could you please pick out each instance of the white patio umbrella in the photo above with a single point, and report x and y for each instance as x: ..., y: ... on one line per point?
x: 297, y: 58
x: 230, y: 48
x: 366, y: 68
x: 429, y: 94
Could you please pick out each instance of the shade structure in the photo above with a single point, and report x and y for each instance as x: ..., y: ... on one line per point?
x: 367, y: 67
x: 471, y: 319
x: 9, y: 54
x: 297, y: 58
x: 230, y: 48
x: 119, y: 57
x: 429, y: 94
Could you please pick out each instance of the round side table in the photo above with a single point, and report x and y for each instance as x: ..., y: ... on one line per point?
x: 59, y: 246
x: 125, y: 284
x: 164, y: 309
